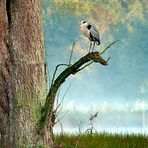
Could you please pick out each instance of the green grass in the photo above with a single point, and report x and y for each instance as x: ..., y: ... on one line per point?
x: 101, y: 140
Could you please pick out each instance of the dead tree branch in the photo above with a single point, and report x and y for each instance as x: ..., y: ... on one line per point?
x: 71, y: 53
x: 56, y: 71
x: 46, y: 114
x: 59, y: 104
x: 48, y: 108
x: 109, y: 46
x: 60, y: 118
x: 84, y: 66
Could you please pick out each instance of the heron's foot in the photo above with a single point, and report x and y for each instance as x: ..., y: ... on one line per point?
x: 90, y: 50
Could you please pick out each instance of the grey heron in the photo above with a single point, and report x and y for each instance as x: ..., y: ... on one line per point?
x: 91, y: 32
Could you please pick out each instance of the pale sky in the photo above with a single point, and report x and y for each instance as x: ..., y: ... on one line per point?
x: 117, y: 90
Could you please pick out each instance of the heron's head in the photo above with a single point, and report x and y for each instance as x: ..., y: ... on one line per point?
x: 83, y: 24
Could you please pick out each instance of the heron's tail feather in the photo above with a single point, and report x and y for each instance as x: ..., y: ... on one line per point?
x: 98, y: 42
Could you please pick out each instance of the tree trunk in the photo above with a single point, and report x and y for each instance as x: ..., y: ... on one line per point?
x: 22, y: 72
x: 4, y: 74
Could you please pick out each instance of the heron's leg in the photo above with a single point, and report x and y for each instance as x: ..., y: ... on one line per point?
x: 90, y: 46
x: 93, y: 46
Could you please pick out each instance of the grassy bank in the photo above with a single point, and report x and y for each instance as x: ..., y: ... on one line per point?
x: 101, y: 140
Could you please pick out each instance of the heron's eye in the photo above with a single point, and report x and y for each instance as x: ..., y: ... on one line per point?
x: 84, y: 22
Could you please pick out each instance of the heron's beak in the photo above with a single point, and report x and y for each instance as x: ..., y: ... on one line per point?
x: 80, y: 25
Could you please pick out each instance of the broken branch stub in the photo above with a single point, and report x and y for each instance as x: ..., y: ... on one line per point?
x: 95, y: 56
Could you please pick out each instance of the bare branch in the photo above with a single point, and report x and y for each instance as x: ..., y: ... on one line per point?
x: 56, y: 71
x: 58, y: 94
x: 93, y: 116
x: 84, y: 66
x: 71, y: 53
x: 59, y: 119
x: 61, y: 126
x: 109, y: 46
x: 108, y: 59
x: 62, y: 99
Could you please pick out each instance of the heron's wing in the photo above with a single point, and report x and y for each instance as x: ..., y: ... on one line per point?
x: 86, y: 32
x: 95, y: 33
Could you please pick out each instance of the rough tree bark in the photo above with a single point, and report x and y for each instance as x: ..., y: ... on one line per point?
x: 22, y: 72
x: 4, y: 101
